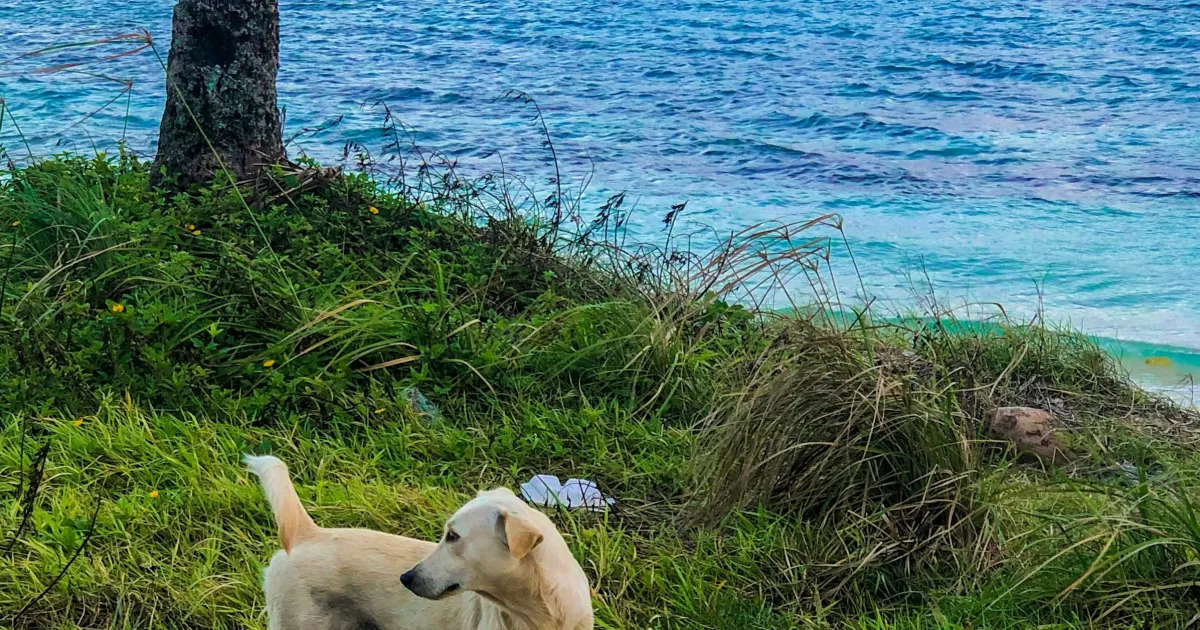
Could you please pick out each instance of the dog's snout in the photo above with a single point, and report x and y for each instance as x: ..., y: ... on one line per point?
x: 407, y: 579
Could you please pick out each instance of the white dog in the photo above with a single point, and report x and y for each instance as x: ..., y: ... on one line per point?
x: 500, y: 565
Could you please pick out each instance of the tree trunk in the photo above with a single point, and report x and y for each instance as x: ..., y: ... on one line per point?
x: 221, y: 110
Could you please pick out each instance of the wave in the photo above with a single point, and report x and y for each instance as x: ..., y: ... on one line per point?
x: 995, y: 69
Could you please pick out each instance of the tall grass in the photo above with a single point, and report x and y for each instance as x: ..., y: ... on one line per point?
x: 821, y: 426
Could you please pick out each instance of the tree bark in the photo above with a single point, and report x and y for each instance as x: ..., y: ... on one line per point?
x: 220, y: 92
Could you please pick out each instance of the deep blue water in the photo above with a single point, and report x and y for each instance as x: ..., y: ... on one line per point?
x: 997, y: 146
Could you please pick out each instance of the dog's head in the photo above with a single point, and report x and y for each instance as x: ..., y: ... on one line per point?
x: 485, y: 548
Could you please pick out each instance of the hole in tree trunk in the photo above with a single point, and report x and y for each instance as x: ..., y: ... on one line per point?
x: 215, y: 46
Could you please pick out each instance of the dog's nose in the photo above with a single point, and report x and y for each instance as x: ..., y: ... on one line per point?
x: 407, y: 579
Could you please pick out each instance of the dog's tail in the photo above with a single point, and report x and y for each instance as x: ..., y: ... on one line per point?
x: 294, y: 524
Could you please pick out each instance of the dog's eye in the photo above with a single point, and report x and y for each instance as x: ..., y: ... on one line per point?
x: 451, y: 536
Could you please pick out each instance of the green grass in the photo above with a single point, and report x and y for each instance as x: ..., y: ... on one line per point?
x: 773, y: 470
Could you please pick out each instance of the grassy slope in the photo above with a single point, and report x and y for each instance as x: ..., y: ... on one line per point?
x: 147, y: 343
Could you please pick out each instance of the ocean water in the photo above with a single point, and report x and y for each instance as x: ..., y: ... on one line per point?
x: 1043, y: 155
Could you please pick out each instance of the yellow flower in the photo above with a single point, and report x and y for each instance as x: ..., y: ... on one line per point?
x: 196, y: 232
x: 154, y: 494
x: 190, y: 227
x: 269, y: 363
x: 78, y: 422
x: 373, y: 210
x: 16, y: 223
x: 379, y: 410
x: 118, y: 308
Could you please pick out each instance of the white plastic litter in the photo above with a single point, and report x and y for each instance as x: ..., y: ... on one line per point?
x: 575, y: 493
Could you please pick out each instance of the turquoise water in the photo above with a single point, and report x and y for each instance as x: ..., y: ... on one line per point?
x: 1028, y: 153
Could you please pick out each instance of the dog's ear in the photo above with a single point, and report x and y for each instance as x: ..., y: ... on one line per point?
x: 518, y: 533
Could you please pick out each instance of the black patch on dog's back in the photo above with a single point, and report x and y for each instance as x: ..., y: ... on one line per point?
x: 343, y: 611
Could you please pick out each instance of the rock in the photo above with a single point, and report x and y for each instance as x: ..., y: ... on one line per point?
x: 1029, y: 430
